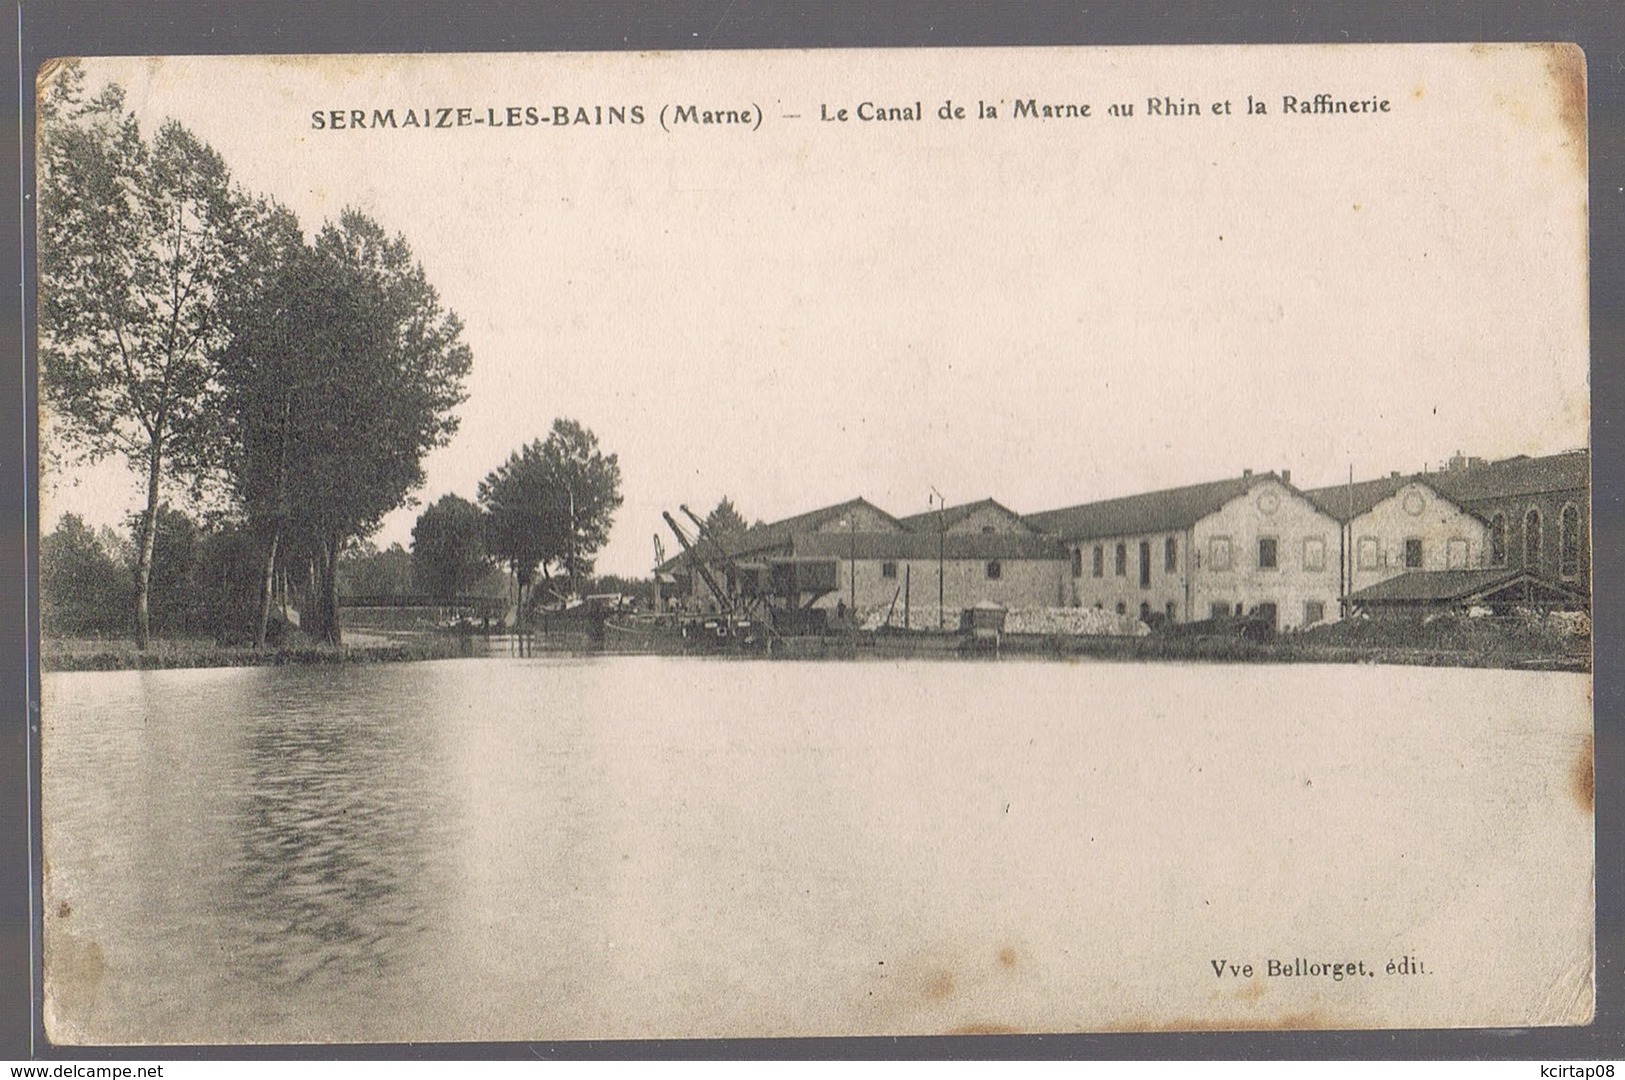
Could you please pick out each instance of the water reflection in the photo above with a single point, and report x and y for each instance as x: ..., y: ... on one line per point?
x: 639, y: 847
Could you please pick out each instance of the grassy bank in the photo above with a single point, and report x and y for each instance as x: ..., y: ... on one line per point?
x: 1515, y: 643
x: 81, y: 654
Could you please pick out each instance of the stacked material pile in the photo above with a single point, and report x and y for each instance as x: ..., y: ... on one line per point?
x: 1569, y: 623
x: 920, y: 617
x: 1076, y: 622
x: 1070, y: 622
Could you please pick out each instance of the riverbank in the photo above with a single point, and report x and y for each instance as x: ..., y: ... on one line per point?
x: 1509, y: 643
x: 84, y: 654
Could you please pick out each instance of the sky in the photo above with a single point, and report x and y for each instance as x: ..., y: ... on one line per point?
x: 794, y: 311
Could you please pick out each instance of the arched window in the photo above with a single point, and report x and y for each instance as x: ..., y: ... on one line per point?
x: 1498, y: 540
x: 1569, y: 542
x: 1531, y: 540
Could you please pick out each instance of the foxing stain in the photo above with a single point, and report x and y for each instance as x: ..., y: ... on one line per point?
x: 1566, y: 66
x: 1583, y: 776
x: 1304, y: 1021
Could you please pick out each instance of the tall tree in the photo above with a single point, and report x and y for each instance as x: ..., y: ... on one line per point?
x: 514, y: 496
x: 448, y: 548
x: 136, y: 243
x: 383, y: 368
x: 83, y: 586
x: 725, y: 523
x: 551, y: 505
x: 266, y: 377
x: 586, y: 486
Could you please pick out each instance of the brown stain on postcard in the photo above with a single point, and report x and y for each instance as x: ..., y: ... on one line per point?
x: 1302, y: 1021
x: 74, y: 968
x: 984, y: 1029
x: 939, y: 985
x: 1251, y: 992
x: 1566, y: 68
x: 1583, y: 776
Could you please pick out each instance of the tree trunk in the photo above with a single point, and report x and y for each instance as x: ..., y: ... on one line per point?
x: 267, y: 590
x: 331, y: 633
x: 143, y: 561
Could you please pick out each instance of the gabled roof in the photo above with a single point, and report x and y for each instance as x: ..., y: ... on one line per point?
x: 926, y: 547
x: 1514, y: 476
x: 1155, y: 511
x: 935, y: 520
x: 1459, y: 587
x: 1345, y: 502
x: 777, y: 533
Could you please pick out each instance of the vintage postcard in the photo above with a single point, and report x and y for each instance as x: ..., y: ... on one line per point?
x: 618, y: 546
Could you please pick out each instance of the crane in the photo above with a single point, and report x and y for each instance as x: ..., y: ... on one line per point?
x: 698, y: 563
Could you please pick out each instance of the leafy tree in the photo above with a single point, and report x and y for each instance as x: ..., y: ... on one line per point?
x: 366, y: 571
x: 335, y: 396
x: 176, y: 604
x: 84, y: 589
x: 137, y: 242
x: 448, y: 548
x: 227, y: 579
x: 644, y: 590
x: 552, y: 504
x: 513, y: 497
x: 264, y: 377
x: 725, y: 523
x: 586, y: 492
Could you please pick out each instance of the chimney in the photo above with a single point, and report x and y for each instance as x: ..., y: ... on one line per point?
x: 1286, y: 476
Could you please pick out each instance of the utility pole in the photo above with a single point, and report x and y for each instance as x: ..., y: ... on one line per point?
x: 942, y: 543
x: 852, y: 569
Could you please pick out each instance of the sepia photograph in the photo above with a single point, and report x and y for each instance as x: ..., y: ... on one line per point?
x: 850, y: 542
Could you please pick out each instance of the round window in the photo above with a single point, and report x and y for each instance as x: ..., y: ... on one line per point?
x: 1415, y: 503
x: 1269, y: 502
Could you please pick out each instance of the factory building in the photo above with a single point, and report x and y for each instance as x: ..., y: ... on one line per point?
x: 961, y: 555
x: 1250, y: 545
x: 1537, y: 511
x: 1399, y: 524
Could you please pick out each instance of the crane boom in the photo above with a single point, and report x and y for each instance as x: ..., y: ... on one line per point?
x: 697, y: 562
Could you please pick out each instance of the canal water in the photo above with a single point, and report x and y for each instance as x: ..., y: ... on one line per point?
x: 503, y: 849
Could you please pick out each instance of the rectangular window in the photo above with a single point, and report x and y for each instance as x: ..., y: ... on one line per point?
x: 1455, y: 554
x: 1266, y: 553
x: 1122, y: 560
x: 994, y: 570
x: 1145, y: 564
x: 1218, y: 553
x: 1171, y: 610
x: 1314, y: 611
x: 1314, y: 553
x: 888, y: 569
x: 1077, y: 562
x: 1100, y: 561
x: 1413, y: 553
x: 1368, y: 553
x: 1170, y: 555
